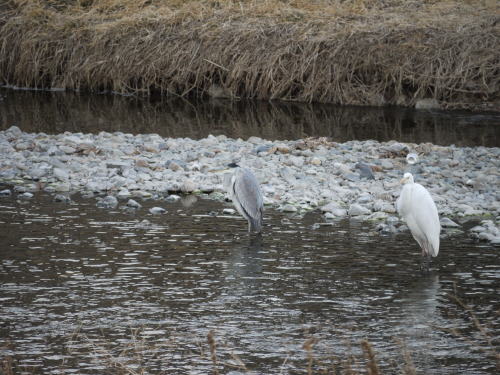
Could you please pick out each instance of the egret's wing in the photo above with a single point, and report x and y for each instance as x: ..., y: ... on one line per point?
x: 247, y: 191
x: 425, y: 216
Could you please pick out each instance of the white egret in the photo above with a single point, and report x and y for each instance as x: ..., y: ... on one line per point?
x: 244, y: 190
x: 416, y: 206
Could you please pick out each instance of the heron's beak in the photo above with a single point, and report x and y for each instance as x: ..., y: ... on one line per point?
x: 403, y: 180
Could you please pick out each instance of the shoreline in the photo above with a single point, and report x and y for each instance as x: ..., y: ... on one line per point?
x: 418, y: 54
x: 295, y: 176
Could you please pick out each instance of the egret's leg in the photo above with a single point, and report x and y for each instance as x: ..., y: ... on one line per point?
x: 249, y: 227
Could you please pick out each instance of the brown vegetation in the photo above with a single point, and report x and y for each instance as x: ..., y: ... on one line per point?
x: 369, y: 52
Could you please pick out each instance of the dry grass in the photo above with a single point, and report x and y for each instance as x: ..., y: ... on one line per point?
x: 368, y: 52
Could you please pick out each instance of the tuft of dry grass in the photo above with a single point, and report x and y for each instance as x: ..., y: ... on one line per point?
x: 365, y: 52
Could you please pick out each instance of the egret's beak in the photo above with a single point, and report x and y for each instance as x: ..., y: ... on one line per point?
x: 403, y: 181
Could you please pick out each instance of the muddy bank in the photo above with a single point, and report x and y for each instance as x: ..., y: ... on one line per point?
x: 411, y: 53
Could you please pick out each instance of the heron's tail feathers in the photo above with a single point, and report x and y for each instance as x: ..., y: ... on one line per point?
x: 256, y: 225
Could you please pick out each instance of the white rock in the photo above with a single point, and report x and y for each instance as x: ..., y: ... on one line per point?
x: 157, y: 210
x: 172, y: 198
x: 339, y: 212
x: 108, y: 202
x: 5, y: 193
x: 289, y: 208
x: 448, y: 223
x: 330, y: 207
x: 67, y: 149
x: 316, y: 161
x: 133, y: 204
x: 357, y: 210
x: 329, y: 215
x: 61, y: 174
x: 228, y: 211
x: 188, y: 186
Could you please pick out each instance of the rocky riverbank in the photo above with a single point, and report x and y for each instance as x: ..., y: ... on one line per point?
x: 357, y: 179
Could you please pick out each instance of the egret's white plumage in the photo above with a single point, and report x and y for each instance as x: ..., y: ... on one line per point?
x: 418, y: 209
x: 244, y: 190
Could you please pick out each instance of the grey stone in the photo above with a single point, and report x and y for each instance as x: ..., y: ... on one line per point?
x: 67, y: 149
x: 172, y: 198
x: 26, y: 195
x: 330, y: 207
x: 133, y: 204
x: 188, y: 186
x: 386, y: 164
x: 108, y: 202
x: 262, y: 148
x: 61, y: 174
x: 289, y: 208
x: 157, y: 210
x: 357, y: 210
x: 448, y: 223
x: 365, y: 171
x: 62, y: 198
x: 339, y: 212
x: 5, y: 193
x: 176, y: 165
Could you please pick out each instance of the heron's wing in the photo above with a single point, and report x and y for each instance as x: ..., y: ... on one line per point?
x: 247, y: 191
x: 425, y: 217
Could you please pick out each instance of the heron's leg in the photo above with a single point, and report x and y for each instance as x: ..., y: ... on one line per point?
x: 249, y: 227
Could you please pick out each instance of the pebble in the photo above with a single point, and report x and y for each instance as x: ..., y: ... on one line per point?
x: 62, y: 198
x: 188, y: 186
x: 289, y: 208
x: 365, y: 171
x: 357, y: 210
x: 5, y: 193
x: 228, y: 211
x: 172, y: 198
x: 157, y: 210
x: 448, y: 223
x: 107, y: 202
x: 26, y: 195
x: 61, y: 174
x: 133, y: 204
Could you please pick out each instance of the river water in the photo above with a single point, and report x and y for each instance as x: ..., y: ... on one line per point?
x: 56, y: 112
x: 85, y: 290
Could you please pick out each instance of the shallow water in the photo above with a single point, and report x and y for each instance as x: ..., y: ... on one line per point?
x: 83, y: 289
x: 56, y: 112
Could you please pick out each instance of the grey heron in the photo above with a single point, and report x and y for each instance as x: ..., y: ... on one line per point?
x: 244, y: 191
x: 416, y: 206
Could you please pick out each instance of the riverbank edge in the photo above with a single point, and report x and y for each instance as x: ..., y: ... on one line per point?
x: 448, y: 63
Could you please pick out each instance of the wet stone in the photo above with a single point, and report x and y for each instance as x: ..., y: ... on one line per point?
x: 133, y: 204
x: 5, y: 193
x: 107, y: 202
x: 157, y: 210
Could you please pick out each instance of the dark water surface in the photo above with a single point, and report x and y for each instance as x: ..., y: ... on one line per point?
x: 86, y: 289
x: 56, y: 112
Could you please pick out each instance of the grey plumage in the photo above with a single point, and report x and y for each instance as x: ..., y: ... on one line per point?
x: 244, y: 190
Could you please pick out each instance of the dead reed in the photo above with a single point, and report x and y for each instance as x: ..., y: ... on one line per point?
x: 367, y: 52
